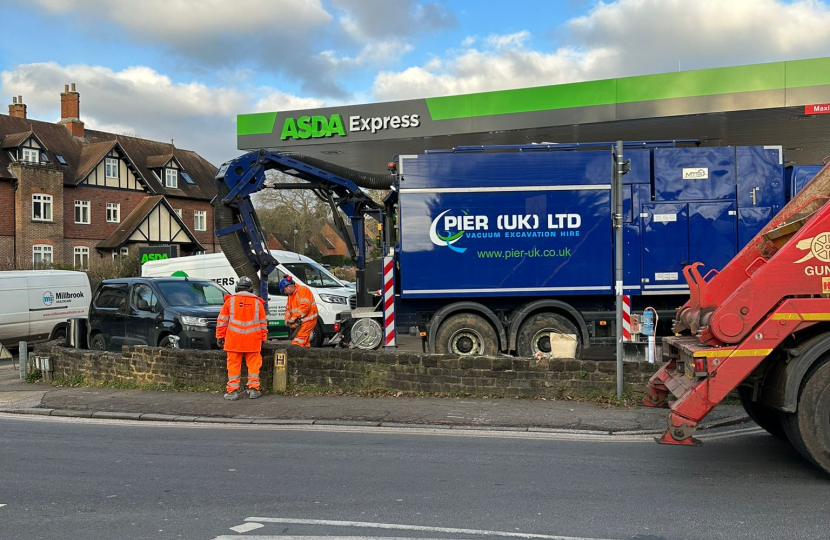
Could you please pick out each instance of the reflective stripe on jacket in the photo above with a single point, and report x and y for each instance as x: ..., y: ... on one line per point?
x: 242, y: 322
x: 301, y: 305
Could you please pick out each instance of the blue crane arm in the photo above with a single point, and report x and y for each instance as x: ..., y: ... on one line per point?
x: 237, y: 226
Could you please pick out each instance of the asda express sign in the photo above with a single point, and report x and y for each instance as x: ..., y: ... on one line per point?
x: 318, y: 126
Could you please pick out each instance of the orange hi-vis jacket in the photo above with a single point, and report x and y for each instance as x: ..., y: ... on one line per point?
x: 301, y: 305
x: 242, y: 323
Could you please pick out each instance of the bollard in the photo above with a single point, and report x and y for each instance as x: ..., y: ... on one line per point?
x: 23, y: 359
x: 280, y: 371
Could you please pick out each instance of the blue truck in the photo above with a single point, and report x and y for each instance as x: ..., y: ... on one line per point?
x: 496, y: 247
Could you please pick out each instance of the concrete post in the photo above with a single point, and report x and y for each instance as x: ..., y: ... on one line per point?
x: 280, y: 371
x: 23, y: 359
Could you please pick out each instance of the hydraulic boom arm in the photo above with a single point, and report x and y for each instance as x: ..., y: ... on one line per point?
x: 236, y: 223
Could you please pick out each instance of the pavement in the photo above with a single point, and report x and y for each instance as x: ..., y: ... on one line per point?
x: 453, y: 413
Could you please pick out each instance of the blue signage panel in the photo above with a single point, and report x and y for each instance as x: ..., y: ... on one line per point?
x: 506, y: 243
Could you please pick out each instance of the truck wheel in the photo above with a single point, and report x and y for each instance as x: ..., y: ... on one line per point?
x: 534, y: 334
x: 98, y: 343
x: 812, y: 419
x: 763, y: 415
x: 466, y: 335
x: 165, y: 343
x: 316, y: 337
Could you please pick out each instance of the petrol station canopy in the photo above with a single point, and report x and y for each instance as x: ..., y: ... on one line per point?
x: 780, y: 103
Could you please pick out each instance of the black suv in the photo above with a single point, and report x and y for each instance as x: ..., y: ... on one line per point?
x: 148, y: 311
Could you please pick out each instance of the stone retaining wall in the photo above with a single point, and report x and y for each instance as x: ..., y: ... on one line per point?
x: 356, y: 371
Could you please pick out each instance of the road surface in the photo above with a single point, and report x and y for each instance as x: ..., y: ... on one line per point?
x: 96, y: 479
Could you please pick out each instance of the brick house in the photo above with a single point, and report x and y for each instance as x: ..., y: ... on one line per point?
x: 70, y: 195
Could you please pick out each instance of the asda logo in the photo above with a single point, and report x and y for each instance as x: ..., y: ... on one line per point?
x: 316, y: 127
x: 312, y: 127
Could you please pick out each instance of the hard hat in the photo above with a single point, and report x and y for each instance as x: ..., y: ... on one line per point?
x: 285, y: 282
x: 244, y: 284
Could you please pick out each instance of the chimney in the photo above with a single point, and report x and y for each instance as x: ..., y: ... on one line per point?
x: 71, y: 111
x: 17, y: 109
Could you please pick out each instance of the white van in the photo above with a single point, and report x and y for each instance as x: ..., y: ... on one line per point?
x: 35, y: 304
x: 331, y: 295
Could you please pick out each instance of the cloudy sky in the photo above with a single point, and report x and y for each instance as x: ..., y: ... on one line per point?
x: 183, y: 69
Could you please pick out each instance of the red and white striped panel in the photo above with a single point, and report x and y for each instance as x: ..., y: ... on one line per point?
x: 626, y: 318
x: 389, y: 301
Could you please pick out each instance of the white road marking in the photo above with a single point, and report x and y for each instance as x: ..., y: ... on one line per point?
x: 399, y: 527
x: 245, y: 527
x: 2, y: 505
x: 280, y: 537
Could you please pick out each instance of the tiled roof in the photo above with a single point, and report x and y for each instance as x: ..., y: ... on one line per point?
x: 13, y: 140
x: 82, y: 154
x: 127, y: 227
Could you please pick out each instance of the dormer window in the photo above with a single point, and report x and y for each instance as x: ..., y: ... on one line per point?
x: 171, y: 178
x: 31, y: 155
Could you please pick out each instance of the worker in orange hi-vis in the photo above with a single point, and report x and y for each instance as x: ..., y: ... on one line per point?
x: 301, y: 309
x: 240, y: 330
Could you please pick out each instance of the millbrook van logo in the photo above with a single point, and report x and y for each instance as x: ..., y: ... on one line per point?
x: 61, y: 297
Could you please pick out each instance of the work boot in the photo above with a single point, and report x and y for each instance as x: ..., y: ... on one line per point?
x: 253, y: 393
x: 232, y: 396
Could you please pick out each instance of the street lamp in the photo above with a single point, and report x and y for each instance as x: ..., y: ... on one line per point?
x: 296, y: 230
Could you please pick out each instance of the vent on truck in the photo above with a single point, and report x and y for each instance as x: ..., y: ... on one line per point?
x: 352, y: 301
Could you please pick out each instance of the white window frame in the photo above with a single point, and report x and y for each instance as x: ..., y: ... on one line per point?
x: 82, y: 205
x: 178, y: 211
x: 81, y: 252
x: 116, y: 166
x: 200, y: 220
x: 122, y: 252
x: 171, y: 178
x: 43, y: 250
x: 113, y: 212
x: 28, y: 153
x: 45, y: 203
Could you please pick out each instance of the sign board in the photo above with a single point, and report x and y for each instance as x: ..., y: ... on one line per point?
x: 156, y: 253
x: 822, y: 108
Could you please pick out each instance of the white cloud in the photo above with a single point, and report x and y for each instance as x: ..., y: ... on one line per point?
x: 626, y: 37
x: 504, y: 41
x: 142, y: 102
x: 280, y: 101
x: 653, y: 35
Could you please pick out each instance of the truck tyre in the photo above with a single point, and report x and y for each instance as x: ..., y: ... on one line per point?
x: 98, y: 343
x: 316, y: 337
x: 165, y: 343
x: 763, y: 415
x: 811, y: 421
x: 534, y: 334
x: 466, y: 334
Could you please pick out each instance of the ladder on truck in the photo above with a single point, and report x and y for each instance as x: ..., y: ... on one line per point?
x: 762, y: 325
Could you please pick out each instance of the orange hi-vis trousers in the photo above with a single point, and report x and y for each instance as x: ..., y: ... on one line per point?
x: 254, y: 362
x: 301, y: 339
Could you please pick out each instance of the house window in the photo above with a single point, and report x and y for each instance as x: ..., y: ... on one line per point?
x: 178, y: 211
x: 171, y: 178
x: 200, y: 220
x: 81, y: 257
x: 82, y: 212
x: 41, y: 207
x: 31, y: 155
x: 60, y: 159
x: 111, y: 167
x: 41, y: 254
x: 122, y: 252
x: 187, y: 178
x: 113, y: 212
